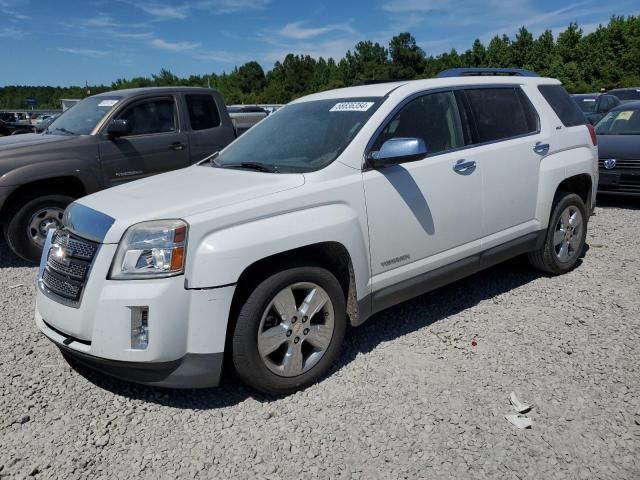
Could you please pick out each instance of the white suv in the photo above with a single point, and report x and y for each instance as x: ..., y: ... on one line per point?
x: 335, y: 207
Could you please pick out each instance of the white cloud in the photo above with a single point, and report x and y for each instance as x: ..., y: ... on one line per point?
x: 330, y: 48
x: 172, y: 46
x: 166, y: 12
x: 298, y: 31
x: 231, y: 6
x: 221, y: 56
x: 404, y: 6
x: 86, y: 52
x: 99, y: 21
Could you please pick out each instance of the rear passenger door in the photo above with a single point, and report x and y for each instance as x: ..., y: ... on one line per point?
x: 207, y: 133
x: 508, y: 148
x: 156, y: 143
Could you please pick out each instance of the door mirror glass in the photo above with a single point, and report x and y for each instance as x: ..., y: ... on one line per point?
x: 398, y: 150
x: 119, y: 128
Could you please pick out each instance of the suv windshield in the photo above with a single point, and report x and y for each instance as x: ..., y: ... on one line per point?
x: 83, y: 117
x: 301, y: 137
x: 586, y: 104
x: 620, y: 122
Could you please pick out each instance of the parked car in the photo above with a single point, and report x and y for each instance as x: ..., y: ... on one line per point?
x: 8, y: 117
x: 595, y: 105
x: 619, y: 150
x: 246, y: 116
x: 15, y: 128
x: 44, y: 123
x: 340, y: 205
x: 626, y: 94
x: 104, y: 140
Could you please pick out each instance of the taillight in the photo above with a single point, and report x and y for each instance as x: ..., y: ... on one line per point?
x: 592, y: 132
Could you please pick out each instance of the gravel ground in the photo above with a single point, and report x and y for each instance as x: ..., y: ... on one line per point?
x: 411, y: 397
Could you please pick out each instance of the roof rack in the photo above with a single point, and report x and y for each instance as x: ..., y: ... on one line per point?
x: 472, y: 72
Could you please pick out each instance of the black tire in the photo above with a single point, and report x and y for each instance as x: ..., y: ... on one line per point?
x: 247, y: 360
x: 546, y: 258
x: 18, y: 219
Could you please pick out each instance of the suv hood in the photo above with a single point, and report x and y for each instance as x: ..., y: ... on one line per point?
x: 182, y: 193
x: 619, y: 146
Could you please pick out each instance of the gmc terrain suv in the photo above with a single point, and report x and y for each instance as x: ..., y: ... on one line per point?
x: 335, y: 207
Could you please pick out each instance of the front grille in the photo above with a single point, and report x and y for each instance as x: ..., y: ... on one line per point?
x: 69, y: 260
x: 621, y: 164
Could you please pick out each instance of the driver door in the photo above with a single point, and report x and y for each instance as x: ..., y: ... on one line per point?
x: 155, y: 144
x: 423, y: 214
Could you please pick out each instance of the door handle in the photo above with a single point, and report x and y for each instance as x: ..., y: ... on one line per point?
x: 464, y: 167
x: 541, y: 148
x: 177, y: 146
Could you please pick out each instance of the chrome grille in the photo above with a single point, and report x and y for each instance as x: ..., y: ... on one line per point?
x: 67, y: 267
x: 621, y: 164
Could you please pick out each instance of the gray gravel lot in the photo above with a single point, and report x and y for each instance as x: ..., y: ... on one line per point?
x: 411, y: 396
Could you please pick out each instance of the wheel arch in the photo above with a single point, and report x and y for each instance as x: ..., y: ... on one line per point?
x: 63, y: 185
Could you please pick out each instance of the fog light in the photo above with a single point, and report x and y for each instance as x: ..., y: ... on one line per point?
x: 139, y: 328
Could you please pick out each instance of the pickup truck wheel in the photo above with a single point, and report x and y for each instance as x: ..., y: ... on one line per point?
x: 565, y: 238
x: 28, y: 224
x: 290, y: 330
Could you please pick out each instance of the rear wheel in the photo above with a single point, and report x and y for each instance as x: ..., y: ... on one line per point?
x: 290, y: 330
x: 28, y: 223
x: 565, y: 238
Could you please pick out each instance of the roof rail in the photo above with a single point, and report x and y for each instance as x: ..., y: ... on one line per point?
x: 472, y: 72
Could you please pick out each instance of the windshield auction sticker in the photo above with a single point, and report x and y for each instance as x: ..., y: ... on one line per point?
x: 351, y: 107
x: 107, y: 103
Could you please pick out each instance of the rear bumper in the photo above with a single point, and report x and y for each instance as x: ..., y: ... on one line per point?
x: 193, y: 370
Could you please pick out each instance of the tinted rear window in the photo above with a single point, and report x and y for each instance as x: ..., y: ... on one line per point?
x: 203, y: 112
x: 567, y: 110
x: 628, y: 94
x: 501, y: 113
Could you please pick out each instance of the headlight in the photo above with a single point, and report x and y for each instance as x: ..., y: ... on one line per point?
x: 153, y: 249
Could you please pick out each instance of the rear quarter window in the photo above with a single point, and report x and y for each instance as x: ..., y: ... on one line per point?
x: 501, y: 113
x: 559, y: 100
x: 203, y: 111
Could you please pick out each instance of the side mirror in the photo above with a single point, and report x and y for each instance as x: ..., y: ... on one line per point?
x: 118, y: 128
x: 398, y: 150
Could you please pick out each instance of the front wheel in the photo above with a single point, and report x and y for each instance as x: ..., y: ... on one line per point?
x: 290, y: 330
x: 29, y: 222
x: 565, y: 238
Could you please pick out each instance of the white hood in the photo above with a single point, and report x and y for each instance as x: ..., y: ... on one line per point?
x: 182, y: 193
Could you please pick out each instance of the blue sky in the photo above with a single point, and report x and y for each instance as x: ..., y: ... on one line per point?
x: 68, y: 42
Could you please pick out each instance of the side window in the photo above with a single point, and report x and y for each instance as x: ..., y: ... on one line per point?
x: 203, y: 112
x: 434, y: 118
x: 501, y: 113
x: 157, y: 115
x: 566, y: 109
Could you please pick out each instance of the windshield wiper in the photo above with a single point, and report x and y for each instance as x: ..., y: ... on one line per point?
x: 63, y: 130
x: 260, y: 167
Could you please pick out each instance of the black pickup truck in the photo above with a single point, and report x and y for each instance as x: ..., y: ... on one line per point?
x: 103, y: 141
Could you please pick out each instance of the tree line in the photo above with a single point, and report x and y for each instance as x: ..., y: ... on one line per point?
x: 606, y: 58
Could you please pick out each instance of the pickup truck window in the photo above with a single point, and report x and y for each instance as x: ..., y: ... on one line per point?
x: 151, y: 116
x: 203, y: 112
x: 301, y: 137
x: 83, y: 117
x: 434, y: 118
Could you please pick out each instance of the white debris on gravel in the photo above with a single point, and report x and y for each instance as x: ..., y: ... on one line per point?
x: 410, y: 398
x: 519, y: 406
x: 519, y: 421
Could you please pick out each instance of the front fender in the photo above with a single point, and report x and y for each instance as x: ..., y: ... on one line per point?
x: 221, y: 256
x: 86, y: 171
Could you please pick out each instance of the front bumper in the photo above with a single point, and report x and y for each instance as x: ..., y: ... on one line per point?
x: 194, y: 370
x: 187, y: 328
x: 619, y: 181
